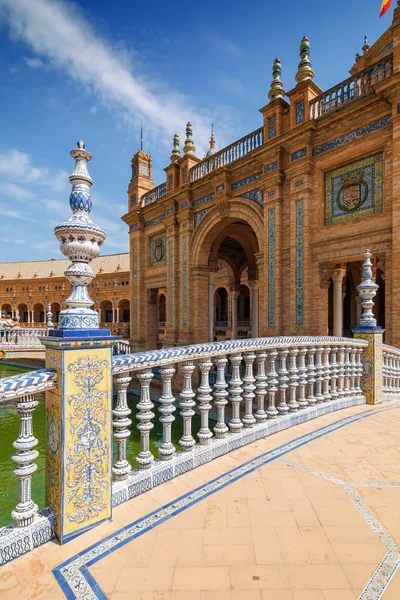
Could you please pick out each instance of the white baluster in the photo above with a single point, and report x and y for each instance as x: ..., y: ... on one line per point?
x: 25, y: 511
x: 293, y: 379
x: 283, y: 379
x: 261, y: 387
x: 334, y: 373
x: 360, y: 370
x: 186, y: 403
x: 166, y: 408
x: 145, y: 415
x: 347, y: 367
x: 340, y: 380
x: 220, y: 397
x: 121, y: 423
x: 272, y: 383
x: 353, y: 368
x: 311, y: 400
x: 204, y: 398
x: 235, y: 394
x: 302, y: 371
x: 248, y: 419
x: 319, y: 379
x: 327, y: 374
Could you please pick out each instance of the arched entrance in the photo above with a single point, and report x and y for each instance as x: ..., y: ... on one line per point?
x: 106, y: 312
x: 55, y: 311
x: 235, y: 243
x: 123, y: 306
x: 23, y: 313
x: 38, y: 313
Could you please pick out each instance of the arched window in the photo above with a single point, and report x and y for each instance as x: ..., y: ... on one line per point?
x: 162, y: 310
x: 221, y: 307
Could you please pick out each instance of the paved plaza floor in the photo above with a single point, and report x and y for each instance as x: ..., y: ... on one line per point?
x: 318, y: 519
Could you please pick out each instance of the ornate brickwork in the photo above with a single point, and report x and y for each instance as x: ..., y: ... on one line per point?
x: 158, y: 253
x: 299, y: 112
x: 271, y: 166
x: 203, y: 199
x: 184, y: 281
x: 355, y: 190
x: 171, y: 282
x: 135, y: 307
x: 199, y: 215
x: 271, y: 127
x: 298, y: 154
x: 256, y: 195
x: 246, y: 181
x: 352, y: 135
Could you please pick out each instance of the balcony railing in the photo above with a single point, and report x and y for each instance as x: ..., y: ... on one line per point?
x: 352, y: 88
x: 154, y: 194
x: 21, y: 337
x: 227, y: 155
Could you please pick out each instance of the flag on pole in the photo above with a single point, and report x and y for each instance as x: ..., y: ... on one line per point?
x: 385, y: 7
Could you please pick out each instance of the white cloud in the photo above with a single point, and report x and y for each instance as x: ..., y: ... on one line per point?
x: 16, y: 192
x: 55, y: 207
x: 59, y: 182
x: 60, y: 33
x: 34, y: 63
x: 15, y: 214
x: 18, y: 165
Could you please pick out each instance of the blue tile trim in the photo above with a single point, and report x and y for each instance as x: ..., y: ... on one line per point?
x: 247, y: 180
x: 271, y: 166
x: 197, y: 216
x: 185, y: 204
x: 27, y: 383
x: 203, y: 199
x: 352, y: 135
x: 271, y: 267
x: 220, y: 187
x: 73, y: 572
x: 388, y: 46
x: 298, y: 154
x: 299, y: 265
x: 257, y: 195
x: 154, y: 221
x: 134, y: 227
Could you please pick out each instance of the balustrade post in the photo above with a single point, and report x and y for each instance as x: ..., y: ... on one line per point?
x: 26, y: 509
x: 302, y: 402
x: 121, y: 423
x: 340, y: 371
x: 261, y: 387
x: 204, y: 397
x: 347, y: 368
x: 311, y: 400
x: 283, y: 379
x: 186, y: 404
x: 145, y: 458
x: 166, y: 408
x: 272, y: 383
x: 293, y: 379
x: 334, y: 373
x: 319, y: 376
x: 248, y: 393
x: 220, y: 397
x: 235, y: 394
x: 360, y: 369
x: 327, y: 374
x: 353, y: 370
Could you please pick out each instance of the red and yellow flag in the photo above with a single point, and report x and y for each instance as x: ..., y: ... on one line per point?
x: 385, y: 6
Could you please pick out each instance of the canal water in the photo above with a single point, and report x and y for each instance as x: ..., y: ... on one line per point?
x: 9, y: 429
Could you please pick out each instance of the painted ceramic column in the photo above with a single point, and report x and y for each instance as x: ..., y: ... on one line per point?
x: 337, y: 279
x: 367, y: 329
x: 79, y: 409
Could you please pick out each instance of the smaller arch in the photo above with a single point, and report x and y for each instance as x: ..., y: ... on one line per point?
x: 221, y: 307
x: 243, y: 306
x: 124, y: 306
x: 23, y: 312
x: 6, y: 310
x: 106, y: 311
x: 38, y: 313
x: 162, y: 310
x: 55, y: 311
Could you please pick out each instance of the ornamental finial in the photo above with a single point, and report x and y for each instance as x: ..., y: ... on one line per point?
x: 189, y: 147
x: 176, y: 153
x: 80, y: 240
x: 304, y: 70
x: 212, y: 149
x: 276, y: 88
x: 366, y: 46
x: 367, y: 290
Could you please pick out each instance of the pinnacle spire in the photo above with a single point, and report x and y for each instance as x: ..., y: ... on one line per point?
x: 189, y: 147
x: 276, y: 88
x: 304, y: 70
x: 176, y: 153
x: 366, y: 46
x: 212, y: 142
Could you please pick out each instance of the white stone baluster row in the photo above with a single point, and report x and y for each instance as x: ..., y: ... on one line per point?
x: 391, y: 372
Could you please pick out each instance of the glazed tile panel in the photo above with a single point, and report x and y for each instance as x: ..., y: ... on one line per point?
x: 355, y: 190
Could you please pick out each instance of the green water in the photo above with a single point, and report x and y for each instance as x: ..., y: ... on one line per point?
x: 9, y: 429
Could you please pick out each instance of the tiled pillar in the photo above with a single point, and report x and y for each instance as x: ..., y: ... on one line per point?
x: 371, y: 380
x: 79, y: 433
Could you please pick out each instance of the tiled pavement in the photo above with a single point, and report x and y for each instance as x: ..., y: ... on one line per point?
x: 312, y: 524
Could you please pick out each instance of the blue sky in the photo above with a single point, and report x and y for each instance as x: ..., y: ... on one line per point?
x: 92, y: 70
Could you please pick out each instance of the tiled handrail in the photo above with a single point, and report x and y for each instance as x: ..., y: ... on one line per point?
x: 227, y: 155
x: 352, y: 88
x: 391, y: 369
x: 154, y: 194
x: 34, y: 382
x: 302, y: 372
x: 21, y: 337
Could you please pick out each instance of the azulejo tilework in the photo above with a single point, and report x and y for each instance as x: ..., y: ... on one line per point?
x: 256, y: 195
x: 171, y: 282
x: 185, y: 204
x: 134, y: 287
x: 203, y: 199
x: 271, y: 193
x: 298, y: 154
x: 170, y: 211
x: 271, y: 127
x: 355, y: 190
x: 246, y: 181
x: 271, y: 166
x: 158, y: 253
x: 26, y: 383
x: 352, y: 135
x: 299, y: 111
x: 197, y: 216
x: 388, y: 47
x: 184, y: 280
x: 220, y: 187
x: 133, y: 200
x: 299, y: 263
x: 298, y: 183
x: 154, y: 221
x: 271, y: 267
x: 134, y: 227
x: 73, y: 575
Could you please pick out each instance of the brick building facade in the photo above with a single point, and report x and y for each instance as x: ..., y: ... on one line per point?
x: 266, y: 236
